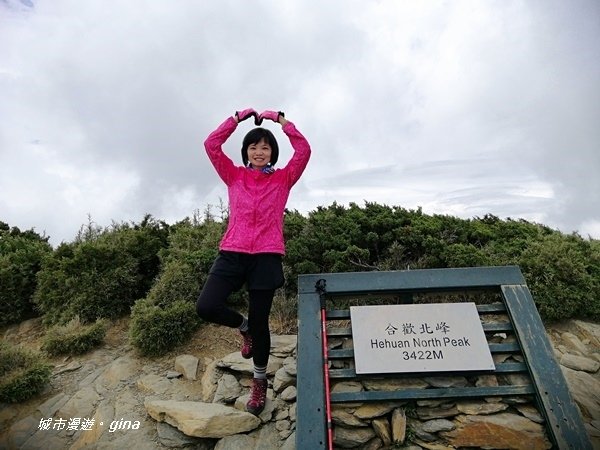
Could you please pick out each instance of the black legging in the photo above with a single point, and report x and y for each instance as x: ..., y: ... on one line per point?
x: 211, y: 306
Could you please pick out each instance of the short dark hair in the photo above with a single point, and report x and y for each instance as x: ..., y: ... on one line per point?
x: 254, y: 137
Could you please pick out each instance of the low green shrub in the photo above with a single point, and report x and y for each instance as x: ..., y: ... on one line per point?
x: 21, y: 254
x: 23, y: 373
x: 101, y: 274
x: 167, y: 316
x: 74, y: 338
x: 155, y: 330
x: 178, y: 281
x: 562, y: 273
x: 92, y: 280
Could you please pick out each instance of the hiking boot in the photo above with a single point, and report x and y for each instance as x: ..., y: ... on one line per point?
x: 246, y: 345
x: 258, y: 396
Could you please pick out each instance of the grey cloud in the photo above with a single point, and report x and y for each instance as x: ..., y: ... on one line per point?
x: 451, y: 107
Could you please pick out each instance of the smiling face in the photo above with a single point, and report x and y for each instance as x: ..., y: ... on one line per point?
x: 259, y: 154
x: 264, y: 148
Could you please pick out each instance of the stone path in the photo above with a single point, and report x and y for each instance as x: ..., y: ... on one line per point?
x: 112, y: 398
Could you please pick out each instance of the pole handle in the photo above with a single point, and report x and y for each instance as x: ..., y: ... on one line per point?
x: 321, y: 288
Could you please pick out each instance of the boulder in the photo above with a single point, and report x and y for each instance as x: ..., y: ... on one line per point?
x: 187, y: 365
x: 585, y: 390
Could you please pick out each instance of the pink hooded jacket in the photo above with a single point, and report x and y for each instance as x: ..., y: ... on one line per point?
x: 256, y: 199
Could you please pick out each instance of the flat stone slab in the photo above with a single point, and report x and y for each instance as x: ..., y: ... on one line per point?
x: 580, y: 363
x: 235, y: 362
x: 206, y: 420
x: 283, y: 345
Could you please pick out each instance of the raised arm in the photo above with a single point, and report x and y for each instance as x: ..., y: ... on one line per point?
x: 295, y: 167
x: 213, y: 145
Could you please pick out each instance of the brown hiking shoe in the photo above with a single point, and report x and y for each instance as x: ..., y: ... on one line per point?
x: 246, y: 345
x: 258, y: 396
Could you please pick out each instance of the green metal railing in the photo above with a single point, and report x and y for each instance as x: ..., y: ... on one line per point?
x: 548, y: 387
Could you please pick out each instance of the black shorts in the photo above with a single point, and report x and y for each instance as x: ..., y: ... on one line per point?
x: 259, y: 271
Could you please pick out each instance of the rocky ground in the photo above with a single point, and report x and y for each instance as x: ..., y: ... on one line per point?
x: 127, y: 396
x: 105, y: 382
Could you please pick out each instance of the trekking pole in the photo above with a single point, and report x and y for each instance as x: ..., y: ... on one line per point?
x: 320, y: 286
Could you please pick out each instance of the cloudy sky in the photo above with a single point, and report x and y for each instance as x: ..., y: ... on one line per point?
x: 459, y: 107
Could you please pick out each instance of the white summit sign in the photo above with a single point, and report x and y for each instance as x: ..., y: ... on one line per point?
x: 419, y: 338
